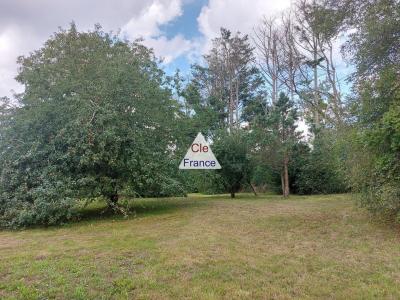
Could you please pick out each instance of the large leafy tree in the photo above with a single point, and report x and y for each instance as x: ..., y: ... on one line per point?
x: 94, y: 120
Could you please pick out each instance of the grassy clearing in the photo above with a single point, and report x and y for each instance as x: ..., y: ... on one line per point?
x: 208, y: 248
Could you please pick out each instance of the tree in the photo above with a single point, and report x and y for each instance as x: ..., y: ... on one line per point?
x: 292, y: 65
x: 268, y: 42
x: 371, y: 49
x: 232, y: 153
x: 373, y: 163
x: 316, y: 29
x: 281, y: 132
x: 229, y: 80
x: 94, y: 121
x: 273, y: 137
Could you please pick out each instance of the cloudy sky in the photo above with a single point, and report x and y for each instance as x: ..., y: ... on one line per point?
x: 177, y: 30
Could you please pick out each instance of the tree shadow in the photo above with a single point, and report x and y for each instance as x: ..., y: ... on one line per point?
x: 138, y: 207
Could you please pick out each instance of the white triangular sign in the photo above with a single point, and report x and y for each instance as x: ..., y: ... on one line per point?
x: 199, y: 156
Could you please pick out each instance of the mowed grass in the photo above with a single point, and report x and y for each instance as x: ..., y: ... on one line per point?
x: 210, y: 247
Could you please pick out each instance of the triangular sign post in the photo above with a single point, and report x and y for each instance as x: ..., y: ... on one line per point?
x: 199, y: 156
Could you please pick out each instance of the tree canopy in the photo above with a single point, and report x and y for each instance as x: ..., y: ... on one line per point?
x: 95, y: 120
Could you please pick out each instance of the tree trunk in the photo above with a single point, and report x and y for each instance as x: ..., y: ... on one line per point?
x: 331, y: 74
x: 316, y: 97
x: 232, y: 194
x: 283, y: 184
x: 231, y: 104
x: 113, y: 200
x: 237, y: 104
x: 254, y: 190
x: 275, y: 71
x: 286, y: 177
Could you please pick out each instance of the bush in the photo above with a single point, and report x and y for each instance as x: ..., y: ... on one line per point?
x: 48, y: 204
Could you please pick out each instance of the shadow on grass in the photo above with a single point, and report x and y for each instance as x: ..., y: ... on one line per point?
x: 139, y: 207
x: 136, y: 208
x: 238, y: 196
x: 142, y: 207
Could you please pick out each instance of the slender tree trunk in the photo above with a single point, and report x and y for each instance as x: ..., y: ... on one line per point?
x: 315, y: 54
x: 286, y: 177
x: 291, y: 85
x: 230, y: 105
x: 291, y: 61
x: 252, y: 187
x: 331, y: 72
x: 275, y: 72
x: 283, y: 183
x: 316, y: 100
x: 237, y: 103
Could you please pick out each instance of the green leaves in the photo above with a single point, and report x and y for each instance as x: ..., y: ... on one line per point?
x: 233, y: 155
x: 94, y: 120
x: 375, y: 163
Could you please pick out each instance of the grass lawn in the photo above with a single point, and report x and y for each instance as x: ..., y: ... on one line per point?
x: 208, y: 248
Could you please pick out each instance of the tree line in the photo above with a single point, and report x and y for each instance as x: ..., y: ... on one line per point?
x: 99, y: 119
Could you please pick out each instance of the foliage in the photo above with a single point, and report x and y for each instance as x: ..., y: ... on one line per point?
x: 374, y: 45
x: 274, y: 136
x: 205, y: 182
x: 227, y: 82
x: 233, y: 155
x: 265, y: 178
x: 94, y: 120
x: 377, y: 147
x: 374, y: 164
x: 317, y: 170
x: 98, y: 118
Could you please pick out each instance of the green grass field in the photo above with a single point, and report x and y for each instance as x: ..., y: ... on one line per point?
x: 208, y: 248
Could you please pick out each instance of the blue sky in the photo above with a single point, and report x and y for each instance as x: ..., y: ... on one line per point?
x: 186, y: 24
x: 179, y: 31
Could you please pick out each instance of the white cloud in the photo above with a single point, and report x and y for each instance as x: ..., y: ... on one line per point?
x: 169, y: 49
x: 8, y: 71
x: 13, y: 42
x: 147, y: 23
x: 237, y: 15
x: 25, y: 25
x: 147, y: 26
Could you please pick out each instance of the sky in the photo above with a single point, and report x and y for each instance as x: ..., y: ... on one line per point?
x: 179, y: 31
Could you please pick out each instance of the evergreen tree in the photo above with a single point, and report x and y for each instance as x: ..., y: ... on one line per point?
x: 229, y: 81
x: 274, y: 136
